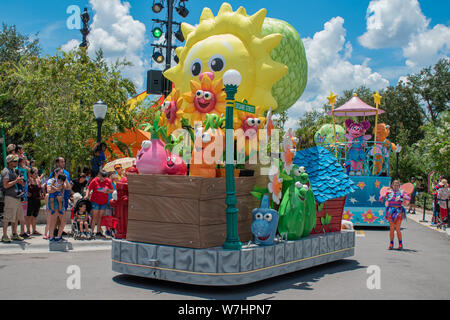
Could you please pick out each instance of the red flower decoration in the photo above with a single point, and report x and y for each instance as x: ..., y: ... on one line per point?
x: 347, y: 215
x: 361, y: 185
x: 369, y: 216
x: 377, y: 184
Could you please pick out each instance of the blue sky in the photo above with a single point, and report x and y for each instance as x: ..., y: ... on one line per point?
x: 400, y: 36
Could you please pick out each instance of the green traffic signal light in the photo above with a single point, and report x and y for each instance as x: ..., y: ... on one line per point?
x: 157, y: 32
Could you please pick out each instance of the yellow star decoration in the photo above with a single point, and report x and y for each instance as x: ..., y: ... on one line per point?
x: 377, y: 98
x: 332, y: 98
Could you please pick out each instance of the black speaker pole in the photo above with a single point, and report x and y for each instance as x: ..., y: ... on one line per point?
x: 168, y: 84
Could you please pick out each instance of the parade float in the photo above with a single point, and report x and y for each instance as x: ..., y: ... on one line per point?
x: 364, y: 153
x: 181, y: 218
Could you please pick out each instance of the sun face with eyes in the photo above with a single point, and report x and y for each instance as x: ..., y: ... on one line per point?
x: 231, y: 40
x: 205, y: 97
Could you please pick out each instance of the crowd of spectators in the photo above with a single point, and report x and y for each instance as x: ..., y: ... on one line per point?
x: 24, y: 190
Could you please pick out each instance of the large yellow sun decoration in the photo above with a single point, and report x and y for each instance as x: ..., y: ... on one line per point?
x: 231, y: 40
x: 172, y: 111
x: 205, y: 97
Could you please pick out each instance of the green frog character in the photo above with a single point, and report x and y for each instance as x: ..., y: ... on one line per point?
x: 297, y: 209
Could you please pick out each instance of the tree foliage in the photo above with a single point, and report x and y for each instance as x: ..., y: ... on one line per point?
x: 432, y: 87
x: 56, y: 94
x: 13, y: 48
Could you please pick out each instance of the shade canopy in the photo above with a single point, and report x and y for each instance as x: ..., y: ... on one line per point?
x: 355, y: 107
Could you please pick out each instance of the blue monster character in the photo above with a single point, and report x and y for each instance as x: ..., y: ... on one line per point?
x: 265, y: 222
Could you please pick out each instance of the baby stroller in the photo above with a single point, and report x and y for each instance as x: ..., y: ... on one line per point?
x: 77, y: 234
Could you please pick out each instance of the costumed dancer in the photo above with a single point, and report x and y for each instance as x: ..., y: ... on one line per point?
x: 395, y: 212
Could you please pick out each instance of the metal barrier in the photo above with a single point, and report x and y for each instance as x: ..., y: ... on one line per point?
x: 376, y: 156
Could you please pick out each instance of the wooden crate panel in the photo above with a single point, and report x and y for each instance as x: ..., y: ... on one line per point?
x: 163, y: 209
x: 180, y: 235
x: 213, y: 211
x: 215, y: 188
x: 184, y: 235
x: 334, y: 208
x: 215, y: 235
x: 335, y: 204
x: 164, y: 185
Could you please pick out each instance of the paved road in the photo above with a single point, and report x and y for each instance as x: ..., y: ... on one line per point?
x: 419, y: 272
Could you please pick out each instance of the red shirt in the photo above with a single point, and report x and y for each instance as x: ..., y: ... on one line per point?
x: 97, y: 196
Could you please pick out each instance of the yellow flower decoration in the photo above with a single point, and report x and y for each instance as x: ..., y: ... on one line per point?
x: 250, y: 124
x: 172, y: 111
x: 205, y: 97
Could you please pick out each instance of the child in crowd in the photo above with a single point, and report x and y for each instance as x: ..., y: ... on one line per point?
x: 82, y: 218
x: 57, y: 191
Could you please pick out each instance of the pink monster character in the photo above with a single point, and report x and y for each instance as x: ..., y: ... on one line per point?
x: 356, y: 142
x: 175, y: 165
x: 151, y: 159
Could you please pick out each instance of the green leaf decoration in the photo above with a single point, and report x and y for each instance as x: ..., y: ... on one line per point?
x: 260, y: 189
x: 285, y: 177
x: 326, y: 220
x: 320, y: 207
x: 213, y: 121
x: 257, y: 195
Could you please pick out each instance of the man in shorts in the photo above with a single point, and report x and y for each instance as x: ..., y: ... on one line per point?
x: 13, y: 211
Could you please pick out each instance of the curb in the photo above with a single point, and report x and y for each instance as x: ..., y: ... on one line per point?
x: 68, y: 245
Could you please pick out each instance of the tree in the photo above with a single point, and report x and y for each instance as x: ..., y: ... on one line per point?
x: 433, y: 151
x: 57, y: 93
x: 280, y: 120
x: 13, y: 48
x: 403, y: 112
x: 432, y: 86
x: 308, y: 126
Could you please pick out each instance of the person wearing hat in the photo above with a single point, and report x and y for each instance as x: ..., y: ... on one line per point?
x: 13, y: 211
x: 120, y: 171
x: 11, y: 149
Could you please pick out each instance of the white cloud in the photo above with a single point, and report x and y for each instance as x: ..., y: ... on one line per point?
x: 401, y: 24
x: 120, y: 36
x: 426, y: 48
x: 391, y: 23
x: 329, y: 69
x: 72, y: 44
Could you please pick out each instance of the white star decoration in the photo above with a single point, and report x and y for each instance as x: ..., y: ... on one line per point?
x: 372, y: 199
x: 353, y: 200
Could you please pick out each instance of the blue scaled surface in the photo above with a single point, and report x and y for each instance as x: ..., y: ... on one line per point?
x: 328, y: 179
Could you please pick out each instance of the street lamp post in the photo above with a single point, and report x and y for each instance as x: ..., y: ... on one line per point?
x: 100, y: 109
x: 231, y: 80
x: 399, y: 148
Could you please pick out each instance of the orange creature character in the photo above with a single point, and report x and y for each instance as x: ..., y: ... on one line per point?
x: 208, y: 147
x: 382, y: 147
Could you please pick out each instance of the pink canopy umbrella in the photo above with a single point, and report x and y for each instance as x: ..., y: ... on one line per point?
x: 355, y: 107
